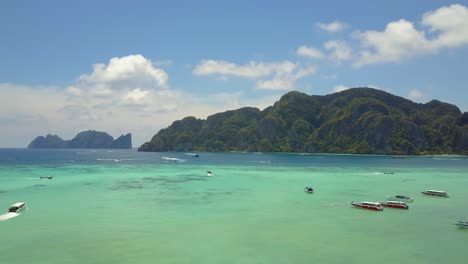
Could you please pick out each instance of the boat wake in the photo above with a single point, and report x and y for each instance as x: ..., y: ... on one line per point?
x: 20, y: 178
x: 172, y: 159
x: 333, y: 205
x: 7, y: 216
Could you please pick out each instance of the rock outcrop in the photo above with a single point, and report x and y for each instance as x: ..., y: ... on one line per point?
x: 84, y: 140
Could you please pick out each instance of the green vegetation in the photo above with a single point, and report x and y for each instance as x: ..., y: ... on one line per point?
x: 359, y: 120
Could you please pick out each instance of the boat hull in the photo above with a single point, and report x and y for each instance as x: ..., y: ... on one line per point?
x: 373, y: 208
x: 435, y: 194
x: 397, y: 206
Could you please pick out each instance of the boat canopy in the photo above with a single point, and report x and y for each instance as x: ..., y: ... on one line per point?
x: 436, y: 191
x: 371, y: 203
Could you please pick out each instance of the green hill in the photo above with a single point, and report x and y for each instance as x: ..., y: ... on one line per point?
x: 358, y: 120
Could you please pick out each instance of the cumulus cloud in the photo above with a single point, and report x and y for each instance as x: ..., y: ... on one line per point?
x: 309, y: 52
x: 399, y: 40
x: 451, y: 25
x: 334, y: 26
x: 273, y: 75
x: 340, y: 51
x: 447, y: 28
x: 125, y: 71
x: 140, y: 101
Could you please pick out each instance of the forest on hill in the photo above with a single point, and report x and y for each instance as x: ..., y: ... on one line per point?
x: 358, y: 120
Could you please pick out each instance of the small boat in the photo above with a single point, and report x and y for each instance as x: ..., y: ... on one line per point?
x: 309, y: 189
x: 368, y: 205
x: 395, y: 204
x: 435, y: 193
x: 209, y: 173
x: 398, y: 157
x: 196, y: 156
x: 17, y: 207
x: 462, y: 224
x: 400, y: 197
x: 46, y: 177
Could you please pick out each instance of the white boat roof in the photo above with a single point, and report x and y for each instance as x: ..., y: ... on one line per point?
x: 397, y: 202
x: 373, y: 203
x: 18, y: 204
x: 436, y: 191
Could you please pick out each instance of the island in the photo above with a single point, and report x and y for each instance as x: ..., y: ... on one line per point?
x: 355, y: 121
x: 90, y: 139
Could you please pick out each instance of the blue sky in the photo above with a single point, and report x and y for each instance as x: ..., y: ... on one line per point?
x: 158, y: 61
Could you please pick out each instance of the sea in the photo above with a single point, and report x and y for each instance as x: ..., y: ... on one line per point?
x: 125, y: 206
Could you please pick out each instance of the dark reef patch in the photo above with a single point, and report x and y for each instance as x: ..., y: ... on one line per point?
x: 127, y: 185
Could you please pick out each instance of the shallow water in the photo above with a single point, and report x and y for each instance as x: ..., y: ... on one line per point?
x: 122, y: 206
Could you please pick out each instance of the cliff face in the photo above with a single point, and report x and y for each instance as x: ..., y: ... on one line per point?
x: 359, y: 120
x: 123, y: 142
x: 87, y: 139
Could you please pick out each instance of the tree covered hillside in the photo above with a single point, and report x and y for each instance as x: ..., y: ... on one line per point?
x: 359, y: 120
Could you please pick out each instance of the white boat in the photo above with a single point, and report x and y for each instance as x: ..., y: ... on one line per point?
x: 209, y: 173
x: 368, y: 205
x: 169, y: 159
x: 400, y: 197
x: 309, y: 189
x: 435, y: 193
x: 17, y: 207
x: 462, y: 224
x: 395, y: 204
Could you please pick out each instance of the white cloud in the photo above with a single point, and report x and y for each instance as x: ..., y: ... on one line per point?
x: 309, y: 52
x: 273, y: 75
x: 250, y: 70
x: 115, y: 105
x: 136, y: 95
x: 399, y: 40
x: 340, y: 50
x: 448, y: 28
x: 451, y: 23
x: 125, y: 70
x: 340, y: 88
x: 416, y: 95
x: 334, y: 26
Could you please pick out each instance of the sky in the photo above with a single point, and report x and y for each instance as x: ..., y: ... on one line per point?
x: 137, y: 66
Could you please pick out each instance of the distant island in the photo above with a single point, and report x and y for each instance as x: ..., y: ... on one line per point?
x: 84, y: 140
x: 355, y: 121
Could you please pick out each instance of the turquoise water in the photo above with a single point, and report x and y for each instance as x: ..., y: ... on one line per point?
x: 129, y: 207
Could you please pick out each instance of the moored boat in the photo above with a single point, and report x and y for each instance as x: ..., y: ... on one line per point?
x: 435, y: 193
x: 368, y: 205
x: 462, y: 224
x: 400, y: 197
x: 17, y: 207
x: 309, y: 189
x: 395, y: 204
